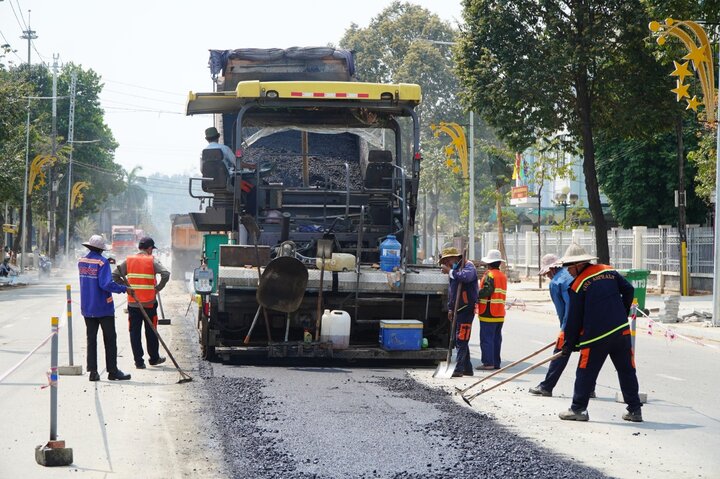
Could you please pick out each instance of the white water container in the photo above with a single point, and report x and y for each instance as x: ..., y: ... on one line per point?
x: 338, y: 262
x: 325, y: 326
x: 339, y: 329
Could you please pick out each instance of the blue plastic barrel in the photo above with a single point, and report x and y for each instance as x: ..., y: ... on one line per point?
x: 389, y: 253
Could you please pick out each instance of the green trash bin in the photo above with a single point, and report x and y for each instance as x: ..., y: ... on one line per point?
x: 638, y: 278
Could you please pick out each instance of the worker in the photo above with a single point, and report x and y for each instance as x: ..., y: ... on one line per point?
x: 491, y: 310
x: 560, y: 281
x: 6, y: 269
x: 141, y: 270
x: 98, y: 309
x: 597, y: 326
x: 461, y: 272
x: 212, y: 135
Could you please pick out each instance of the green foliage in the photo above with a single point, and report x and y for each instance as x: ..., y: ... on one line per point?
x: 397, y: 46
x: 704, y: 159
x: 640, y: 177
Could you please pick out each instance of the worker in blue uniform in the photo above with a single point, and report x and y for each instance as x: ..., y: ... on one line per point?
x: 460, y: 271
x: 597, y: 326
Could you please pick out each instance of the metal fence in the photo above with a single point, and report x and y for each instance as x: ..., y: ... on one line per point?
x: 659, y: 248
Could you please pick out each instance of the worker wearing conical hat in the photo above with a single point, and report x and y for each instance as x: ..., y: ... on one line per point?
x: 597, y: 326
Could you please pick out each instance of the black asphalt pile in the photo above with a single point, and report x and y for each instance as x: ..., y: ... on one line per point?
x: 488, y: 449
x: 326, y: 158
x: 329, y: 423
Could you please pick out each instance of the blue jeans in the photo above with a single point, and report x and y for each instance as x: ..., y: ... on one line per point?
x: 490, y: 343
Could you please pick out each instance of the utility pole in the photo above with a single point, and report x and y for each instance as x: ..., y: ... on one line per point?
x: 681, y: 204
x: 52, y: 183
x: 28, y: 35
x: 471, y: 199
x: 70, y: 138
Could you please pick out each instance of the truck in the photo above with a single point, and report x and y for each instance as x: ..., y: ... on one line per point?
x: 124, y: 241
x: 327, y: 169
x: 185, y: 245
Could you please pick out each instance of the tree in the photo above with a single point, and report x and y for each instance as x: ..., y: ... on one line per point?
x: 536, y: 68
x: 134, y: 196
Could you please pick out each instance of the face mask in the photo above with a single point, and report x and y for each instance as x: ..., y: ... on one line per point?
x: 455, y: 265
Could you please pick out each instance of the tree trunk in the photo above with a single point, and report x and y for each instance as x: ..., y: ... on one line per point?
x: 584, y: 105
x: 539, y: 194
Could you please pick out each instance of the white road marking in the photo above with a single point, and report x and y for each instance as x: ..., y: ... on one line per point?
x: 9, y: 325
x: 670, y: 377
x: 537, y: 342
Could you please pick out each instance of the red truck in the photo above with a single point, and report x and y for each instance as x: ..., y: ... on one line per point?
x: 124, y: 241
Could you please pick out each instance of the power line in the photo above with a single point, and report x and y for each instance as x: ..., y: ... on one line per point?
x: 21, y: 15
x: 11, y: 50
x: 105, y: 90
x: 142, y: 87
x: 20, y: 24
x: 142, y: 110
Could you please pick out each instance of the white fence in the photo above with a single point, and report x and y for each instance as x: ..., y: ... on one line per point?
x: 654, y: 249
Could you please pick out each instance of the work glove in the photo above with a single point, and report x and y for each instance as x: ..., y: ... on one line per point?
x: 566, y: 350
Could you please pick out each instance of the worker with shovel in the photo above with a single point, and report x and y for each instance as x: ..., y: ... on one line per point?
x: 597, y: 326
x: 462, y: 274
x: 140, y: 270
x: 560, y: 281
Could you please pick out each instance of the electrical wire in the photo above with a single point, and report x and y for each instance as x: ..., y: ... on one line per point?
x: 141, y: 87
x: 11, y: 50
x: 105, y: 90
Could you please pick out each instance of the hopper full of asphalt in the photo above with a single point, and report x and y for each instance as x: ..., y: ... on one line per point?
x: 329, y: 422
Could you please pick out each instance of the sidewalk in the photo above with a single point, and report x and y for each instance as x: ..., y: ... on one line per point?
x: 528, y: 291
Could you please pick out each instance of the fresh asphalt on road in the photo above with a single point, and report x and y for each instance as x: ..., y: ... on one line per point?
x: 340, y: 420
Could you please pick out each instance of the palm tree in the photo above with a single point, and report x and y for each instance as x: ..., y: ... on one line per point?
x: 134, y: 196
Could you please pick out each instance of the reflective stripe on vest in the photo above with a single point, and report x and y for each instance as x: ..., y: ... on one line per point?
x: 589, y: 272
x: 496, y: 301
x: 141, y: 276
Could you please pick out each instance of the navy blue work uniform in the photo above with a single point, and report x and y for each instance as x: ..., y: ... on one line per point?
x: 597, y: 326
x: 467, y: 276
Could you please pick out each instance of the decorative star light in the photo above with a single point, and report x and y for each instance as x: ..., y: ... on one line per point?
x: 681, y: 91
x: 697, y: 55
x: 693, y: 103
x: 681, y: 71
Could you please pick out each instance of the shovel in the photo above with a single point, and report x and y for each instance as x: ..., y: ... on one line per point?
x: 184, y: 377
x: 446, y: 368
x: 163, y: 319
x: 524, y: 371
x: 463, y: 391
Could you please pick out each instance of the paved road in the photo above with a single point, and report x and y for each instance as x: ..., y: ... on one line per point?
x: 681, y: 433
x: 312, y: 416
x: 147, y: 427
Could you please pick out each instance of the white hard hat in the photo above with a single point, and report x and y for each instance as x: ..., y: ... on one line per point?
x: 493, y: 256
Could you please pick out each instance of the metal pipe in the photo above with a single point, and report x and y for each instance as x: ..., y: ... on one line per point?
x: 347, y: 190
x: 361, y: 227
x: 54, y: 321
x: 69, y: 320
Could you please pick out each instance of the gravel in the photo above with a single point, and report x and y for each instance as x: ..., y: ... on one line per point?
x: 320, y: 422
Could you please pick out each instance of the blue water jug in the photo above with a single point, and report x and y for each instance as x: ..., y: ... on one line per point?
x: 389, y: 253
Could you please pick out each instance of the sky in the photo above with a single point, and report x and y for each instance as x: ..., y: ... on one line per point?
x: 151, y: 53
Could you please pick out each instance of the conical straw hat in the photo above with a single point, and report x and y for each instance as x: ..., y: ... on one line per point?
x: 576, y: 254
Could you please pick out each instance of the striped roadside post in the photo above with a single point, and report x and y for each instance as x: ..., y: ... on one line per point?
x: 54, y: 453
x: 71, y: 369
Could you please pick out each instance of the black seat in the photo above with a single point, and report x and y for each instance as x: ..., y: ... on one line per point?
x: 212, y: 166
x: 379, y: 172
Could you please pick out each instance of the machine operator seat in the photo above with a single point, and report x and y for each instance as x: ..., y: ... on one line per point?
x: 212, y: 166
x: 379, y: 172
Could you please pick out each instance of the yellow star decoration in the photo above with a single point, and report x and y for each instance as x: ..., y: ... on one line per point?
x: 693, y: 103
x: 449, y: 162
x: 681, y: 91
x: 697, y: 55
x: 681, y: 71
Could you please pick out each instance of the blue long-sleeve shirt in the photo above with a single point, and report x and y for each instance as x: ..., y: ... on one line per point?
x: 466, y: 275
x: 97, y: 286
x: 559, y: 286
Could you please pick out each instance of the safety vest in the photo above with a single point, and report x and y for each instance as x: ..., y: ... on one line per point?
x: 492, y: 309
x: 590, y: 271
x: 141, y: 276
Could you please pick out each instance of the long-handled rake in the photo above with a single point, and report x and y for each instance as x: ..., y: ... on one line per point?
x: 463, y: 391
x: 514, y: 376
x: 184, y: 377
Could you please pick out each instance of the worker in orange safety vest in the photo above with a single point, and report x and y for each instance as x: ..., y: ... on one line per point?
x: 491, y: 310
x: 140, y: 270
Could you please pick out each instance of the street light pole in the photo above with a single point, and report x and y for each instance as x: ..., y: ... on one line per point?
x: 716, y: 269
x: 471, y: 200
x: 28, y: 35
x: 71, y: 134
